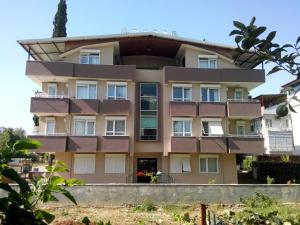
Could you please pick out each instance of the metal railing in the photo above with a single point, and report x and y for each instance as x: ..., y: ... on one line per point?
x: 243, y: 100
x: 45, y: 95
x: 162, y: 178
x: 44, y: 134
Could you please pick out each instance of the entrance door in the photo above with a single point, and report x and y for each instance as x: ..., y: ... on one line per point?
x: 145, y: 168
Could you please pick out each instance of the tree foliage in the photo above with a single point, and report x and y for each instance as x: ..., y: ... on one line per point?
x: 254, y: 40
x: 60, y: 20
x: 20, y: 205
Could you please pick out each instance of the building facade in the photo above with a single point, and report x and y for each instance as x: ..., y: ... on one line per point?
x: 118, y: 108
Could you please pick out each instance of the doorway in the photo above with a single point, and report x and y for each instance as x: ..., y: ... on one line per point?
x: 146, y: 167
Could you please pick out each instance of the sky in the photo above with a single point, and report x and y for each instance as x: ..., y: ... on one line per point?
x: 196, y: 19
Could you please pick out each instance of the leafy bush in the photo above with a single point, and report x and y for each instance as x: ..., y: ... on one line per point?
x: 146, y: 206
x: 270, y: 180
x: 20, y: 206
x: 282, y: 172
x: 247, y: 163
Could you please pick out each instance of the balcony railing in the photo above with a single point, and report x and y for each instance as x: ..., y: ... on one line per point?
x: 245, y: 108
x: 51, y: 142
x: 246, y: 144
x: 46, y: 95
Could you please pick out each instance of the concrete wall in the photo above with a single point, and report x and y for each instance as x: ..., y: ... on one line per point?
x: 117, y: 194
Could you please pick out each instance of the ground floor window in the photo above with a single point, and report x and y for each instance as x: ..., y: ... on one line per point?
x: 208, y: 164
x: 180, y: 163
x: 115, y: 163
x: 84, y: 163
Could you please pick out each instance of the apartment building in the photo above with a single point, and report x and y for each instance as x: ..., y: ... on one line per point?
x: 277, y: 131
x: 118, y: 108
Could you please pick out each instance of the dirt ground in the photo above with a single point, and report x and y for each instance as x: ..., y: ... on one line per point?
x: 124, y: 215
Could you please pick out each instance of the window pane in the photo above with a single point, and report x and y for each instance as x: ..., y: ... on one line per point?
x: 203, y: 165
x: 148, y: 90
x: 94, y: 59
x: 203, y: 63
x: 109, y: 127
x: 84, y: 59
x: 213, y: 95
x: 215, y: 128
x: 177, y: 93
x: 92, y: 91
x: 50, y: 127
x: 111, y: 91
x: 187, y: 128
x: 212, y: 165
x: 148, y: 122
x: 205, y: 128
x: 213, y: 63
x: 204, y: 95
x: 178, y: 128
x: 148, y: 103
x: 120, y: 127
x: 187, y: 94
x: 79, y: 127
x: 52, y: 90
x: 121, y: 92
x: 240, y: 130
x: 148, y: 134
x: 82, y: 92
x: 90, y: 128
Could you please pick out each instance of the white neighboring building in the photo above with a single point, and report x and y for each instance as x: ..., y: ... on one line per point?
x: 295, y: 85
x: 277, y: 132
x: 2, y: 129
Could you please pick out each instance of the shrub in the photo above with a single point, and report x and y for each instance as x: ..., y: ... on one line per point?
x: 270, y: 180
x: 146, y: 206
x: 247, y: 162
x: 282, y: 172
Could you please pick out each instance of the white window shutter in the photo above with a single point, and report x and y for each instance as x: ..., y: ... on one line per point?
x: 84, y: 163
x: 175, y: 164
x: 216, y: 127
x: 115, y: 163
x: 186, y: 164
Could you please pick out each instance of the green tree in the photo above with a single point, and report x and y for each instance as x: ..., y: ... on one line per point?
x: 60, y: 20
x: 253, y: 40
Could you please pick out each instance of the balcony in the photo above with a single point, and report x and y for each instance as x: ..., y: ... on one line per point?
x: 115, y: 144
x: 249, y: 109
x: 51, y: 143
x: 188, y: 109
x: 49, y: 105
x: 246, y: 144
x: 213, y: 144
x: 84, y: 106
x: 116, y: 107
x: 43, y: 68
x: 82, y: 144
x: 212, y: 109
x: 173, y: 73
x: 184, y: 145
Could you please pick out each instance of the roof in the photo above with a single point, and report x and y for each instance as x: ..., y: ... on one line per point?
x: 291, y: 83
x: 49, y: 49
x: 269, y: 100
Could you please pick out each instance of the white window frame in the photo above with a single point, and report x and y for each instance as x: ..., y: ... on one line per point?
x: 208, y: 58
x: 46, y: 125
x: 88, y: 52
x: 54, y: 85
x: 106, y: 167
x: 269, y: 123
x: 83, y: 156
x: 113, y: 118
x: 115, y: 90
x: 238, y: 90
x: 211, y: 120
x: 178, y: 119
x: 183, y: 86
x: 86, y: 83
x: 210, y: 86
x: 241, y: 124
x: 206, y: 162
x: 181, y: 156
x: 86, y: 119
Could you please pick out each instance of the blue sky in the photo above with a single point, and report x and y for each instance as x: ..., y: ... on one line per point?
x: 196, y: 19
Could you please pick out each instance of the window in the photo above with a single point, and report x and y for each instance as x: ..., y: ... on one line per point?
x: 148, y: 111
x: 84, y: 126
x: 86, y: 89
x: 238, y: 94
x: 182, y: 127
x: 84, y: 163
x: 240, y: 128
x: 50, y: 126
x: 180, y: 163
x: 210, y: 94
x: 255, y: 126
x: 52, y: 90
x: 115, y: 163
x: 212, y: 128
x: 115, y: 126
x: 182, y: 93
x: 207, y: 61
x: 90, y: 57
x: 268, y: 122
x: 117, y: 90
x: 208, y: 164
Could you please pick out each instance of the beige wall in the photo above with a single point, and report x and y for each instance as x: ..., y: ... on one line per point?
x: 232, y: 126
x: 191, y: 58
x: 106, y: 55
x: 148, y: 61
x: 231, y: 90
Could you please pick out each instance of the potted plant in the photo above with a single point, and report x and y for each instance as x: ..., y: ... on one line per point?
x: 35, y: 119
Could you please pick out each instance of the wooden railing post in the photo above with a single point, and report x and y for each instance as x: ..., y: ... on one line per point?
x: 203, y: 214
